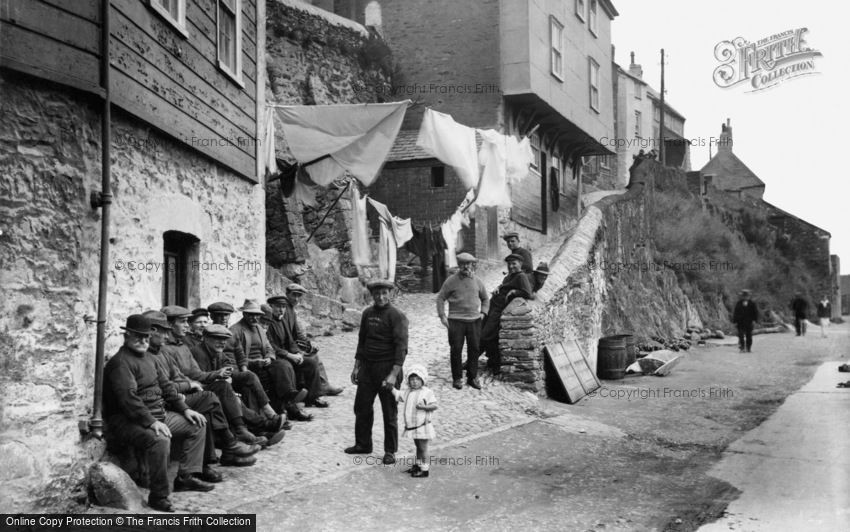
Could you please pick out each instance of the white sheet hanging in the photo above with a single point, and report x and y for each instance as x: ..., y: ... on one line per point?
x: 360, y: 254
x: 395, y: 232
x: 451, y: 143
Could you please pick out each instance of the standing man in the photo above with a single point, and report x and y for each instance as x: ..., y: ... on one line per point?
x: 136, y: 395
x: 824, y: 313
x: 745, y: 314
x: 801, y: 310
x: 515, y: 284
x: 381, y: 350
x: 468, y: 304
x: 512, y: 240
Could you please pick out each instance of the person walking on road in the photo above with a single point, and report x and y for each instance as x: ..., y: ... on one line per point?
x: 746, y: 313
x: 381, y: 350
x: 801, y: 309
x: 824, y: 313
x: 468, y: 304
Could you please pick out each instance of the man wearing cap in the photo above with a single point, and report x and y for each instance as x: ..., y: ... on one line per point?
x: 142, y: 409
x: 217, y: 377
x: 198, y: 321
x: 276, y: 374
x: 745, y: 314
x: 381, y: 350
x: 538, y: 277
x: 202, y: 401
x: 512, y: 241
x: 515, y: 284
x: 468, y: 304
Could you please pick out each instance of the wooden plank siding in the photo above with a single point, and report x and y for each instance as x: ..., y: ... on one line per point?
x: 158, y: 75
x: 527, y: 200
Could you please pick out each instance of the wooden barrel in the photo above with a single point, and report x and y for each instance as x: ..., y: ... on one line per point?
x: 631, y: 347
x: 611, y: 359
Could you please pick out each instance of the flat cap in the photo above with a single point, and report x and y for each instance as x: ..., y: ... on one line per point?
x: 297, y: 288
x: 380, y: 283
x: 268, y: 313
x: 466, y: 257
x: 218, y: 331
x: 514, y: 256
x: 276, y: 299
x: 512, y: 234
x: 176, y: 311
x: 157, y: 318
x: 221, y: 307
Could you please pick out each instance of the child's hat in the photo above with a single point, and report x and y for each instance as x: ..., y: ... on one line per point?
x: 418, y: 370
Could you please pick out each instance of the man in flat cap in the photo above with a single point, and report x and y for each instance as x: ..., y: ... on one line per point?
x: 207, y: 403
x: 746, y: 313
x: 512, y: 241
x: 515, y: 284
x: 198, y: 321
x: 381, y: 350
x: 143, y: 410
x: 276, y: 374
x: 468, y: 304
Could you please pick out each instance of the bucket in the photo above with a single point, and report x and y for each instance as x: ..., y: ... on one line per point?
x: 631, y: 347
x: 611, y: 360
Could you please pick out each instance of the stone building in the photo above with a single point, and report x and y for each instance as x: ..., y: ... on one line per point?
x: 518, y: 66
x: 727, y: 172
x: 187, y: 215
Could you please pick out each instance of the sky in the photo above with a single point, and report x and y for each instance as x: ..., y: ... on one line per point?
x: 793, y: 135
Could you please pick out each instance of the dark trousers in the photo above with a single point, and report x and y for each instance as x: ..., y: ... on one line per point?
x: 188, y: 442
x: 460, y: 331
x: 279, y: 382
x: 745, y: 336
x: 308, y: 377
x: 208, y: 404
x: 800, y: 325
x: 369, y: 384
x: 231, y: 405
x: 324, y: 383
x: 248, y: 385
x: 490, y: 332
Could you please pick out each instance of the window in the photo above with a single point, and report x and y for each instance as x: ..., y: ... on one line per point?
x: 535, y: 150
x: 173, y: 11
x: 438, y: 176
x: 178, y: 275
x: 638, y: 117
x: 605, y: 162
x: 556, y: 44
x: 230, y: 38
x: 591, y: 16
x: 580, y: 9
x: 594, y: 84
x: 638, y: 90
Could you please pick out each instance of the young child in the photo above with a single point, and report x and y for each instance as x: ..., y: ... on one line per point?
x: 419, y: 403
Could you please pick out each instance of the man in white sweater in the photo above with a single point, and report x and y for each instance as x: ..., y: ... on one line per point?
x: 468, y: 303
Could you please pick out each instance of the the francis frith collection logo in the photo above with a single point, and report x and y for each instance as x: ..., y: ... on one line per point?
x: 764, y: 63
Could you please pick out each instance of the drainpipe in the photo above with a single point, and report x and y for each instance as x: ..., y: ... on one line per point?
x: 102, y: 200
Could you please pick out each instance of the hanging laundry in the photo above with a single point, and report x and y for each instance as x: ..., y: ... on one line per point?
x: 331, y: 139
x: 519, y: 156
x: 268, y: 153
x: 395, y: 232
x: 449, y: 231
x: 451, y: 143
x: 359, y: 228
x: 304, y: 189
x: 493, y: 189
x: 439, y: 272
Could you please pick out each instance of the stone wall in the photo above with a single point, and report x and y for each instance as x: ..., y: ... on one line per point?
x: 50, y: 156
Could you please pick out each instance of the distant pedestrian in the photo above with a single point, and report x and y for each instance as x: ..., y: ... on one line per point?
x: 419, y: 403
x: 468, y: 304
x: 801, y: 310
x: 824, y: 313
x: 746, y: 313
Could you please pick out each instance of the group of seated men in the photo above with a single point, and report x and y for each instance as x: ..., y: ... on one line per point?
x: 185, y: 375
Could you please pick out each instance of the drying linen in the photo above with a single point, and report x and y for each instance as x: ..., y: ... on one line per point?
x: 451, y: 143
x: 438, y: 261
x: 493, y: 189
x: 359, y: 228
x: 268, y: 153
x: 331, y: 139
x: 519, y: 157
x: 395, y: 232
x: 450, y: 230
x: 304, y: 189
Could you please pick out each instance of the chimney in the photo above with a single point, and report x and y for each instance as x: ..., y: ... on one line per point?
x: 635, y: 70
x: 724, y: 143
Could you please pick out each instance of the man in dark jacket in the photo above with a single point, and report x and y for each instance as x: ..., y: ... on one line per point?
x: 142, y: 409
x: 801, y: 310
x: 515, y: 284
x: 512, y: 241
x: 745, y: 314
x: 381, y: 350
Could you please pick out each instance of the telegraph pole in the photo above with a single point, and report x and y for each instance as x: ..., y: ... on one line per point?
x: 663, y: 152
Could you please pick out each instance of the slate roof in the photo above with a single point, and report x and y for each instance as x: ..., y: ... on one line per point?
x: 730, y: 173
x: 405, y: 148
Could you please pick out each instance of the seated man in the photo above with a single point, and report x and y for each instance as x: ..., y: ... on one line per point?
x: 216, y: 375
x: 198, y: 321
x: 276, y: 374
x: 136, y: 395
x: 285, y: 312
x: 204, y: 402
x: 181, y: 356
x: 515, y: 284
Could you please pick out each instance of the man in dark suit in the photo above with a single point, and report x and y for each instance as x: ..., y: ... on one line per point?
x: 745, y: 314
x: 801, y: 312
